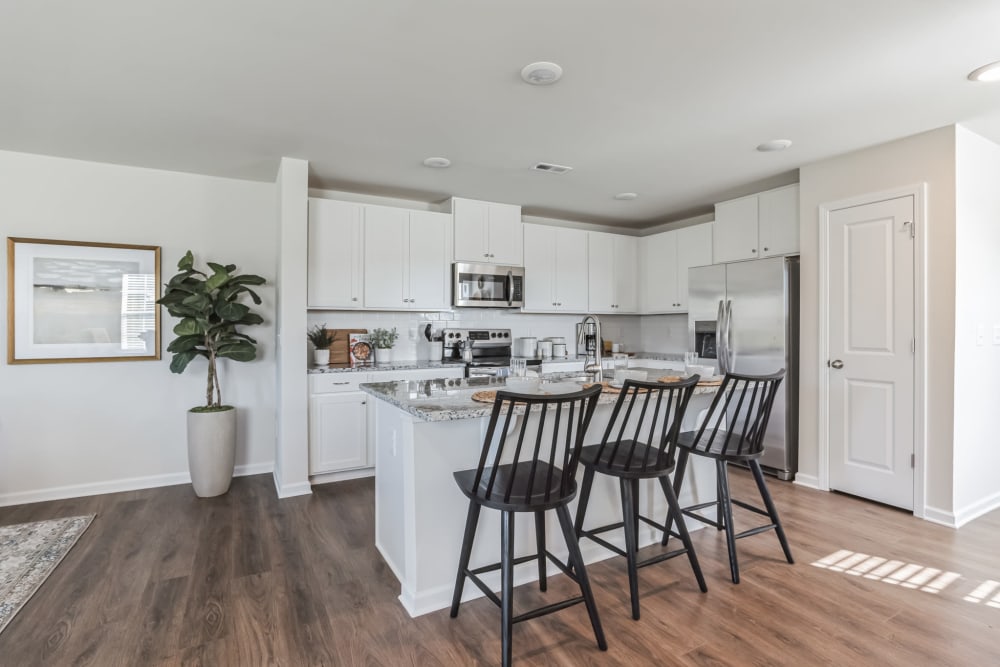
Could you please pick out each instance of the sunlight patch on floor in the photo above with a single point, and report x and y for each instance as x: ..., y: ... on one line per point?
x: 895, y: 572
x: 987, y: 592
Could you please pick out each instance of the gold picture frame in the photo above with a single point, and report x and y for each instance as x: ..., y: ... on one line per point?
x: 80, y: 301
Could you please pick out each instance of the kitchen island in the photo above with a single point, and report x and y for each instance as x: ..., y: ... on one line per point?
x: 426, y: 430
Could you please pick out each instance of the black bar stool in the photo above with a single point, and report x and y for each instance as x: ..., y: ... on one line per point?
x: 744, y: 403
x: 530, y: 468
x: 639, y: 443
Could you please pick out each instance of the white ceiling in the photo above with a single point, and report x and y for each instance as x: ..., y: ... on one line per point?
x: 667, y: 99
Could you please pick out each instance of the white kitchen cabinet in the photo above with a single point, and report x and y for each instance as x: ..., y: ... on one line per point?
x: 406, y: 259
x: 761, y: 225
x: 338, y: 427
x: 487, y: 232
x: 555, y: 269
x: 612, y: 273
x: 334, y: 255
x: 664, y: 262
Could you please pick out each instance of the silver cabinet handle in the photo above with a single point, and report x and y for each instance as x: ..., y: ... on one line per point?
x: 837, y: 363
x: 342, y: 382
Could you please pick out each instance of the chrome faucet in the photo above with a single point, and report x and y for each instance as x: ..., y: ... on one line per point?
x: 590, y: 337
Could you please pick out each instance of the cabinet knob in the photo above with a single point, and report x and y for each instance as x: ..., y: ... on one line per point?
x: 486, y: 254
x: 753, y: 250
x: 765, y: 249
x: 354, y: 298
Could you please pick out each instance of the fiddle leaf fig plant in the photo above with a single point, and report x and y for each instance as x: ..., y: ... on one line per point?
x: 210, y: 311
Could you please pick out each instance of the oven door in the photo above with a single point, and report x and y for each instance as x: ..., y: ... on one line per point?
x: 488, y: 286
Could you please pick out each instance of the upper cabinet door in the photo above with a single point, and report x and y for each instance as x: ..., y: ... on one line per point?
x: 472, y: 219
x: 601, y: 272
x: 626, y: 274
x: 386, y: 257
x: 334, y: 254
x: 504, y: 235
x: 658, y: 262
x: 735, y: 235
x: 430, y: 250
x: 779, y: 221
x: 540, y: 267
x: 570, y: 269
x: 694, y: 248
x: 487, y: 233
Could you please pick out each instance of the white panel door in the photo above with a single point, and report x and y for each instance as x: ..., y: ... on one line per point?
x: 430, y: 277
x: 694, y: 248
x: 571, y: 270
x: 504, y: 235
x: 337, y: 432
x: 386, y: 257
x: 601, y: 272
x: 871, y: 374
x: 658, y: 261
x: 735, y: 236
x: 334, y: 254
x: 540, y: 267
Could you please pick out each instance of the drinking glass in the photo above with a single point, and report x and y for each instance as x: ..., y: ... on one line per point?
x: 518, y: 367
x: 690, y: 359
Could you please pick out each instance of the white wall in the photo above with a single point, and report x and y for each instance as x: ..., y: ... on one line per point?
x: 923, y: 158
x: 977, y: 305
x: 80, y: 428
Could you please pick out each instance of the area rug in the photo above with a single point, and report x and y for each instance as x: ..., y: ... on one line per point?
x: 28, y: 554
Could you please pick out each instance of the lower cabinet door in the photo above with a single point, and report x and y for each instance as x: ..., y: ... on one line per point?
x: 337, y: 432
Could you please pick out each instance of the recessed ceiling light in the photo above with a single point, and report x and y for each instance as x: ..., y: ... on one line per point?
x: 437, y: 162
x: 541, y: 73
x: 986, y: 73
x: 626, y: 196
x: 774, y: 145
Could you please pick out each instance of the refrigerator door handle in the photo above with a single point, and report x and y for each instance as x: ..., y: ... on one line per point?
x: 729, y: 334
x: 720, y: 327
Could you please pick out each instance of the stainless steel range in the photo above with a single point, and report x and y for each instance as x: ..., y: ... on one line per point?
x: 485, y: 352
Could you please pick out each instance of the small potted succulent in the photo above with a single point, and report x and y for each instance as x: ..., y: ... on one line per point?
x: 321, y: 340
x: 383, y: 340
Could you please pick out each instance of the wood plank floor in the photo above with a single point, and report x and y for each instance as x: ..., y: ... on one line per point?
x: 162, y: 578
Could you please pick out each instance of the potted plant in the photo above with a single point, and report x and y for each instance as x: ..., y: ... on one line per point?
x: 321, y: 340
x: 383, y: 340
x: 210, y: 311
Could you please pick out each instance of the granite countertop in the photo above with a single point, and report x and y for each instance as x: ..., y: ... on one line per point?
x: 450, y: 400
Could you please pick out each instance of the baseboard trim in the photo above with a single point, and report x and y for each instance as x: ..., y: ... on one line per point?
x: 291, y: 490
x: 342, y: 476
x: 810, y: 481
x: 939, y: 516
x: 977, y: 509
x: 117, y: 485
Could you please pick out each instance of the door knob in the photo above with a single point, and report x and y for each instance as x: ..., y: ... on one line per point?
x: 837, y: 363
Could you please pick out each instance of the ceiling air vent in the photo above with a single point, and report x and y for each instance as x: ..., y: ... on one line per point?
x: 552, y: 168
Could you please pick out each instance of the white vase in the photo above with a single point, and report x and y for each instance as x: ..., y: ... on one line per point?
x: 383, y: 355
x: 321, y: 357
x: 211, y: 442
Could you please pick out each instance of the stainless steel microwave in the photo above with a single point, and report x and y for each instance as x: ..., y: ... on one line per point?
x: 488, y: 286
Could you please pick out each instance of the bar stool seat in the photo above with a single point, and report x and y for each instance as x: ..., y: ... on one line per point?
x: 528, y: 463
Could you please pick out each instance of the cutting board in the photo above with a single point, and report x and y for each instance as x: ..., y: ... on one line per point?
x: 339, y: 353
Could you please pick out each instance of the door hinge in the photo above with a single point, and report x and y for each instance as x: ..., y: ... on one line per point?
x: 913, y: 460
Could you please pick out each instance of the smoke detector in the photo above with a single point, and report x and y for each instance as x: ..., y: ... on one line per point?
x: 552, y: 168
x: 541, y: 73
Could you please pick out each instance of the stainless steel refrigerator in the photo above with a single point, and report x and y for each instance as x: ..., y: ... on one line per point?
x: 744, y: 317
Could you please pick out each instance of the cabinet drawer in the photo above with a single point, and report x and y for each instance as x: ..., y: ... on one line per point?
x: 327, y: 383
x: 416, y: 374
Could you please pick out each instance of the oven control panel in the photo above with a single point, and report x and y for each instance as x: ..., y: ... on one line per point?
x: 499, y: 337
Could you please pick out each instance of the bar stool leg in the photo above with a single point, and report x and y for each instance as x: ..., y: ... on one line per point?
x: 720, y: 515
x: 507, y: 586
x: 631, y: 542
x: 758, y: 476
x: 679, y: 469
x: 471, y: 521
x: 674, y: 511
x: 581, y: 506
x: 540, y: 543
x: 727, y: 510
x: 576, y: 563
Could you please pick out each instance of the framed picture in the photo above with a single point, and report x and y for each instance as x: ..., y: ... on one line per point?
x: 74, y: 301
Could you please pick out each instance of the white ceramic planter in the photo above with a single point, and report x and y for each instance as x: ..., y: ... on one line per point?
x: 321, y: 357
x: 211, y: 445
x: 383, y: 355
